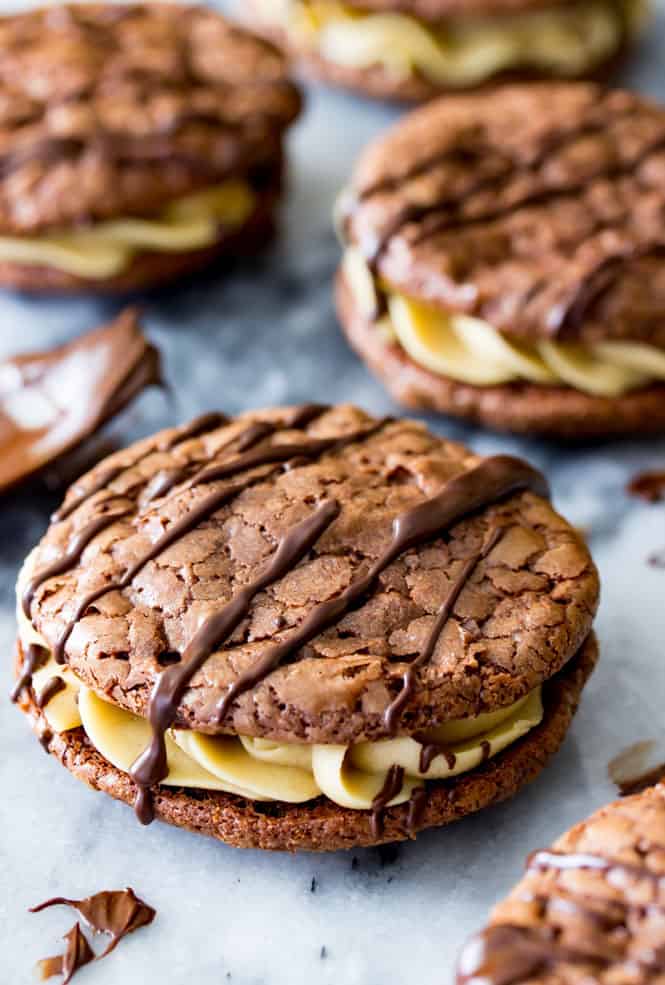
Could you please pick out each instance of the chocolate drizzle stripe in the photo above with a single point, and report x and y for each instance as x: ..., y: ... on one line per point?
x: 430, y: 751
x: 31, y: 661
x: 571, y: 861
x: 506, y: 954
x: 209, y: 505
x: 202, y: 511
x: 560, y: 141
x: 198, y: 426
x: 391, y: 788
x: 280, y: 453
x: 395, y: 708
x: 71, y: 556
x: 494, y: 479
x: 151, y: 767
x: 416, y: 812
x: 52, y: 687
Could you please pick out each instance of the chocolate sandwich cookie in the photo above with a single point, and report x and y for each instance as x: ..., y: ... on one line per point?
x: 412, y: 50
x: 137, y: 143
x: 590, y: 909
x: 305, y: 628
x: 53, y: 401
x: 505, y: 260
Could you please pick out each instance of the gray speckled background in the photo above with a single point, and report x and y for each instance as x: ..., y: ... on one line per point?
x: 264, y: 334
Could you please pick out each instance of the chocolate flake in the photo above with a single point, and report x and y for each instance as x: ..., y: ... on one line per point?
x: 648, y: 485
x: 77, y: 954
x: 116, y: 363
x: 113, y: 912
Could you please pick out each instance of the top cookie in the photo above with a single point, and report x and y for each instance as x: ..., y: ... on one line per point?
x: 115, y: 110
x: 195, y: 515
x: 537, y: 209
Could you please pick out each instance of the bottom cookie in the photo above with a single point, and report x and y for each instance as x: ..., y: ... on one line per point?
x: 321, y: 825
x: 522, y: 408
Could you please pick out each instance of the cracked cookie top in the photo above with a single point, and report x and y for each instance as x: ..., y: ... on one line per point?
x: 112, y: 110
x: 536, y: 208
x: 590, y: 909
x: 303, y: 560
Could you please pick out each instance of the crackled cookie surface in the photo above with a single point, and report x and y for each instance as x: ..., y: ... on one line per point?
x: 306, y: 627
x: 411, y: 50
x: 591, y: 908
x: 505, y: 261
x: 138, y: 142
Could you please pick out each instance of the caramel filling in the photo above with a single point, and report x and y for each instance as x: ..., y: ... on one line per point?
x: 566, y: 39
x: 107, y: 248
x: 263, y: 770
x: 470, y: 350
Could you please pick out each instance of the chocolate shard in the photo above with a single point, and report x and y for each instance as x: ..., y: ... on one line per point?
x: 53, y: 401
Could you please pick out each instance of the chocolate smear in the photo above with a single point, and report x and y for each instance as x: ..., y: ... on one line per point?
x: 648, y: 485
x: 77, y: 954
x: 52, y: 401
x: 114, y: 912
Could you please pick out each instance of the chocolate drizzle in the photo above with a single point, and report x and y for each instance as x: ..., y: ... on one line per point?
x: 566, y: 861
x: 416, y: 812
x: 52, y: 687
x: 494, y: 479
x: 32, y: 658
x: 394, y: 709
x: 391, y: 788
x: 429, y: 752
x: 198, y: 426
x: 151, y: 766
x: 71, y: 556
x: 116, y: 912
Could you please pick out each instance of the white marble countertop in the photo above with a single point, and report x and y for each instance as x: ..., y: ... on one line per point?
x: 264, y: 334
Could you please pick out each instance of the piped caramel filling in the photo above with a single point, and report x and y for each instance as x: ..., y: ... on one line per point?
x: 106, y: 249
x: 259, y: 769
x: 470, y: 350
x: 565, y: 39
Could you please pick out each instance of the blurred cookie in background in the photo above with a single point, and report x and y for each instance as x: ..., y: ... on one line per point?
x: 505, y: 261
x: 411, y: 50
x: 137, y: 144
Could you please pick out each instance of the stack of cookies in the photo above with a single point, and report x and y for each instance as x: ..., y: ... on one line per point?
x: 307, y: 627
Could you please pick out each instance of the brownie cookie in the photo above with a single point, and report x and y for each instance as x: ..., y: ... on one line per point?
x: 305, y: 628
x: 505, y: 260
x: 53, y: 401
x: 412, y: 50
x: 590, y: 909
x: 138, y: 143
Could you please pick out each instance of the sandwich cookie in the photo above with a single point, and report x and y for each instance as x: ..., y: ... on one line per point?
x: 411, y: 50
x: 505, y: 260
x: 305, y: 628
x: 137, y: 143
x: 53, y: 401
x: 590, y: 909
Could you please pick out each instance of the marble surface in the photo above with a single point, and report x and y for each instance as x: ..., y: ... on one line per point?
x: 266, y: 334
